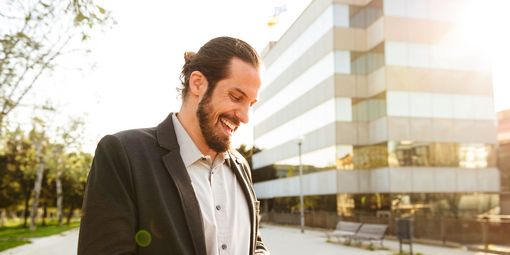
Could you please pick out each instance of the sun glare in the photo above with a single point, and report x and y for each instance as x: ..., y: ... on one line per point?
x: 483, y: 30
x: 483, y: 26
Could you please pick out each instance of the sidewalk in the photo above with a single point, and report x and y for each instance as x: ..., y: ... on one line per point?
x: 65, y: 243
x: 289, y: 240
x: 281, y: 240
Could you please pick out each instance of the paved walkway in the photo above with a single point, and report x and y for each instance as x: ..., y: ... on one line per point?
x: 280, y: 240
x: 289, y: 240
x: 62, y: 244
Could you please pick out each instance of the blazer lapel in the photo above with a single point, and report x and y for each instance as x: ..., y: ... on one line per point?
x: 177, y: 170
x: 245, y: 181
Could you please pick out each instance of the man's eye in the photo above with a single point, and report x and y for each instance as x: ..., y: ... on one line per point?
x: 235, y: 99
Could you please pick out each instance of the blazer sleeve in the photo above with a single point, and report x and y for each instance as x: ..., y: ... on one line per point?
x: 108, y: 221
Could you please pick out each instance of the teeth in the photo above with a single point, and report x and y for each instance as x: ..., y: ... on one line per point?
x: 228, y: 123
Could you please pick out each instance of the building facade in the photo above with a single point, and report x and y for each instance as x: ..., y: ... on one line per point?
x: 504, y: 159
x: 393, y: 115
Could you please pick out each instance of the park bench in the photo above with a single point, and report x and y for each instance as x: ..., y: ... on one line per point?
x: 344, y: 229
x: 370, y: 232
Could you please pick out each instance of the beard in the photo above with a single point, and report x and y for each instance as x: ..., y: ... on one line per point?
x: 213, y: 136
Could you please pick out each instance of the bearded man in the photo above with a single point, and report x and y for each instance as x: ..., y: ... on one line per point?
x: 179, y: 188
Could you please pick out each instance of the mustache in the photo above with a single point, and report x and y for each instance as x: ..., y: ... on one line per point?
x: 231, y: 117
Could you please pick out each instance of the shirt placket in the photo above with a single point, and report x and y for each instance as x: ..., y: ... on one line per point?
x: 220, y: 208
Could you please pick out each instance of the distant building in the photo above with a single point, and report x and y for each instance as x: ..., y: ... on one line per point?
x: 504, y: 159
x: 395, y: 116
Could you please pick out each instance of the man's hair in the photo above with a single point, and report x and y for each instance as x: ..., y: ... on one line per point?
x: 213, y: 61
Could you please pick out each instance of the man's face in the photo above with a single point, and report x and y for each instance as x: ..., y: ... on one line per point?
x: 221, y: 112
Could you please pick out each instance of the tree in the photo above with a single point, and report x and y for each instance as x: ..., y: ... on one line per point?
x: 10, y: 192
x: 69, y: 139
x: 48, y: 173
x: 34, y: 35
x: 38, y: 136
x: 74, y: 179
x: 17, y: 175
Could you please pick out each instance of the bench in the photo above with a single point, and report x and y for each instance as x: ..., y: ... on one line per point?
x: 371, y: 232
x: 344, y: 229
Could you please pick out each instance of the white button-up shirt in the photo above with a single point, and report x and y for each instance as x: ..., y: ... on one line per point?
x: 225, y: 213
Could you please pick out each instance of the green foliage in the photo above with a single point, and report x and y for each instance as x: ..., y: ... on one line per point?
x: 34, y: 35
x: 17, y: 172
x: 17, y: 235
x: 20, y: 232
x: 8, y: 244
x: 248, y: 153
x: 19, y: 160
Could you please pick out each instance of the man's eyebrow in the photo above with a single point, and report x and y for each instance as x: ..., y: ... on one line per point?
x: 240, y: 91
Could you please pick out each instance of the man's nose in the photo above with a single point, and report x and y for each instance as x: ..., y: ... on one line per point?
x: 243, y: 114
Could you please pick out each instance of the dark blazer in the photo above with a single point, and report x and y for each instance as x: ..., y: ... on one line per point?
x: 138, y: 184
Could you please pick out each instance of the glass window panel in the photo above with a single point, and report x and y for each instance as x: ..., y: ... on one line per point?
x: 323, y: 159
x: 312, y: 34
x: 395, y: 7
x: 313, y: 119
x: 462, y: 106
x: 398, y: 103
x: 341, y: 15
x: 363, y: 63
x: 420, y: 104
x: 364, y: 16
x: 306, y: 81
x: 344, y: 154
x: 370, y: 156
x: 442, y: 106
x: 418, y: 55
x: 396, y: 53
x: 410, y: 153
x: 369, y: 109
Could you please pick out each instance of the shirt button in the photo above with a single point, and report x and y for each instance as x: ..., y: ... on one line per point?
x: 218, y: 207
x: 224, y: 246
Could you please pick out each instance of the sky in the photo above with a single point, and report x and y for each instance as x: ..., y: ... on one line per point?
x: 136, y: 63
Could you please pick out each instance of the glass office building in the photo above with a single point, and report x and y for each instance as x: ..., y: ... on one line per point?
x: 504, y: 159
x: 393, y: 113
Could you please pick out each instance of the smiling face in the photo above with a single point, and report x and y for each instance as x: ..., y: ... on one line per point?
x: 227, y: 105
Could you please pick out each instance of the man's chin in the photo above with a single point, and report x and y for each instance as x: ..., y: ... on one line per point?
x: 219, y: 144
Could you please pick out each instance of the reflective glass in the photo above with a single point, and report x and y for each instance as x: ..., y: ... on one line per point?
x: 326, y: 203
x: 370, y: 156
x: 424, y: 204
x: 364, y: 16
x: 369, y: 109
x: 410, y: 153
x: 363, y: 63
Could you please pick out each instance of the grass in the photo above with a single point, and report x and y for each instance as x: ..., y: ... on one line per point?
x: 7, y: 244
x: 16, y: 235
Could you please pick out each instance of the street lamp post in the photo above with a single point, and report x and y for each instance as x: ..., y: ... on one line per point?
x: 301, y: 202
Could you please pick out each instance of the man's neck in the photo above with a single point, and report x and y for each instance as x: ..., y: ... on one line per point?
x: 190, y: 123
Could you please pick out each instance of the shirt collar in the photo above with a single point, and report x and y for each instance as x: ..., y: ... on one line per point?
x: 188, y: 149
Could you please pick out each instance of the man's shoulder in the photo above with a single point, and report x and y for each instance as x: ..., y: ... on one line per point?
x: 132, y: 137
x: 237, y: 155
x: 139, y: 133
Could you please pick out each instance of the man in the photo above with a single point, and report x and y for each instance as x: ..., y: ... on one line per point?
x: 179, y: 188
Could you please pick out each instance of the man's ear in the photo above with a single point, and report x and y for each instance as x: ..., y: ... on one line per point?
x: 197, y: 84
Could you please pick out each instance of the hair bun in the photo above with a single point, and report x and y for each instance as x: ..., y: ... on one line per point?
x: 188, y: 56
